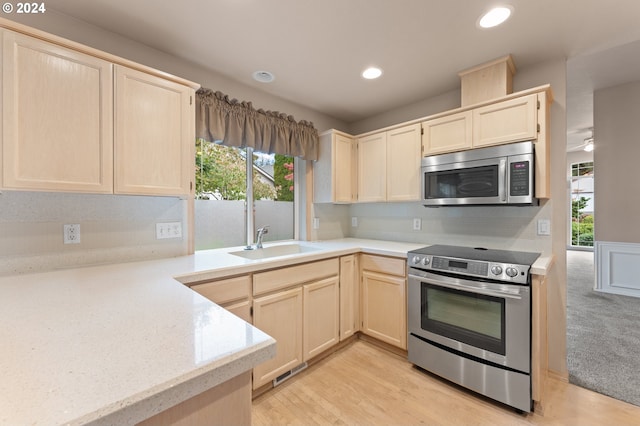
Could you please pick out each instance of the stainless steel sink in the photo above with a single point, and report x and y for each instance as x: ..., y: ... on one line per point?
x: 274, y: 251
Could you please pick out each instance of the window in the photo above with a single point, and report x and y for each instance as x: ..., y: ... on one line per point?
x: 582, y: 199
x: 222, y: 189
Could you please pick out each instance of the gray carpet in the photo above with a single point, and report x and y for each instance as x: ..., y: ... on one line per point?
x: 603, y: 334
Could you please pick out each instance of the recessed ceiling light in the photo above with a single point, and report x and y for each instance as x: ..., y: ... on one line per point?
x: 263, y: 76
x: 371, y: 73
x: 495, y: 17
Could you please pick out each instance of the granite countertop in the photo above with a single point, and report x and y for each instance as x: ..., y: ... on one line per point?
x: 116, y: 344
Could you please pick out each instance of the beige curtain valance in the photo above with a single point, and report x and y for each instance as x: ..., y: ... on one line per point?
x: 234, y: 123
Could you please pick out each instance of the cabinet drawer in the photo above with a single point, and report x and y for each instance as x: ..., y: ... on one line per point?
x: 226, y: 290
x: 385, y: 265
x: 281, y: 278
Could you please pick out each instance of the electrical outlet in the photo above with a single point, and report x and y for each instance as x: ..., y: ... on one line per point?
x: 354, y: 222
x: 168, y: 230
x: 316, y: 223
x: 71, y: 234
x: 417, y: 224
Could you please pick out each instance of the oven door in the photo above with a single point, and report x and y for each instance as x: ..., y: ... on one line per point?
x: 481, y: 319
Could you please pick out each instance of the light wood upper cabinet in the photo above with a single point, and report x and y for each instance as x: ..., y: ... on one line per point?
x: 446, y: 134
x: 334, y: 178
x: 57, y: 122
x: 512, y: 120
x: 389, y: 165
x: 153, y: 136
x: 505, y: 122
x: 372, y: 168
x: 404, y: 153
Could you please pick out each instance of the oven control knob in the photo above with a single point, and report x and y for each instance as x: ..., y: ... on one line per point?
x: 496, y: 269
x: 511, y: 271
x: 415, y: 260
x: 425, y: 261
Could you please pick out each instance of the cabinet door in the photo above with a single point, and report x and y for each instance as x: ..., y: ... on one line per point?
x: 384, y: 308
x: 349, y: 297
x: 447, y: 134
x: 57, y: 121
x: 280, y: 316
x: 509, y: 121
x: 404, y: 153
x: 154, y: 135
x: 372, y: 168
x: 321, y: 322
x: 344, y: 169
x: 240, y: 309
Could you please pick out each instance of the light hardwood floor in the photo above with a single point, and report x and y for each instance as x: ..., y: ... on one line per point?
x: 364, y: 385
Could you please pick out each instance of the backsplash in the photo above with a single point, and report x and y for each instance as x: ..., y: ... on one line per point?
x: 113, y: 228
x: 511, y: 227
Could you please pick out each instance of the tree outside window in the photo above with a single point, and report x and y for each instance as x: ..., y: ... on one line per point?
x: 582, y: 196
x: 221, y: 177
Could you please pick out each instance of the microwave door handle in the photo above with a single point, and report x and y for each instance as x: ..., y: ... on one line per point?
x: 502, y: 180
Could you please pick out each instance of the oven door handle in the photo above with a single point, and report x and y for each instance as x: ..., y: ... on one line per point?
x: 470, y: 286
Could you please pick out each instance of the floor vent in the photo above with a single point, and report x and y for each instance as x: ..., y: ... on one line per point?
x: 284, y: 376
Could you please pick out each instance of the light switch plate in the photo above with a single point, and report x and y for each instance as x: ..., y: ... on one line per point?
x: 316, y: 223
x: 544, y: 227
x: 354, y: 222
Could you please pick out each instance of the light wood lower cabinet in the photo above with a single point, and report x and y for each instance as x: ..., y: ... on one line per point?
x: 349, y: 296
x: 299, y: 307
x: 233, y: 294
x: 280, y: 316
x: 539, y: 340
x: 321, y: 316
x: 384, y: 300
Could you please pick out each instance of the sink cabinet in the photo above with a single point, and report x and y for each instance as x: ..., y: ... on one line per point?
x: 384, y: 300
x: 299, y: 307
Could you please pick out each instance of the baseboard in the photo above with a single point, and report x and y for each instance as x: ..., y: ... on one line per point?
x: 383, y: 345
x: 562, y: 377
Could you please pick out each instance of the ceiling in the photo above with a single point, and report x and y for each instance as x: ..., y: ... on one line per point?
x: 317, y: 49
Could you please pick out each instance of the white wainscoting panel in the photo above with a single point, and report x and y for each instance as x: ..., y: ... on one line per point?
x: 618, y: 268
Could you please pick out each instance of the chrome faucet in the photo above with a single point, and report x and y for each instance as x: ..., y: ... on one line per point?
x: 260, y: 234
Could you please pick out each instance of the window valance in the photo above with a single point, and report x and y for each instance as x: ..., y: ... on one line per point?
x: 234, y: 123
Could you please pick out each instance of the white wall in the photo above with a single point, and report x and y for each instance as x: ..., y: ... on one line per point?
x: 616, y: 154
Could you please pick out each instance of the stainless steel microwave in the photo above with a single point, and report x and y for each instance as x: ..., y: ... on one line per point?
x: 497, y: 175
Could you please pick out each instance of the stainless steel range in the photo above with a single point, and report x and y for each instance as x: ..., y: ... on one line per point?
x: 469, y: 319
